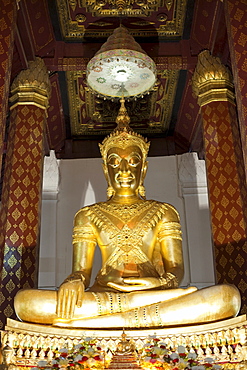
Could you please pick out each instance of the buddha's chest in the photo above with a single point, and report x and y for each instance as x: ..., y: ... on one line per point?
x: 126, y: 226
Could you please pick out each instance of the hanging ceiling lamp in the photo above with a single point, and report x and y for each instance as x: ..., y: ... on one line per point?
x: 121, y: 68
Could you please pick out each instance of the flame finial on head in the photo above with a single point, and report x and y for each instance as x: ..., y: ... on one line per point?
x: 123, y: 135
x: 123, y: 118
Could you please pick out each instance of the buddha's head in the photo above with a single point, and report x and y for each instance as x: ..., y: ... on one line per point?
x: 124, y: 154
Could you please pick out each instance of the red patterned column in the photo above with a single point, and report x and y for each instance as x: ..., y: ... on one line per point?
x: 225, y: 171
x: 21, y: 196
x: 8, y: 13
x: 236, y: 21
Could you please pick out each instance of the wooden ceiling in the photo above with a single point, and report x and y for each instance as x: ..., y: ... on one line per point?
x: 66, y: 34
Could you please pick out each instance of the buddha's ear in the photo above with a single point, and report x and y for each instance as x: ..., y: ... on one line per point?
x: 105, y: 171
x: 144, y: 169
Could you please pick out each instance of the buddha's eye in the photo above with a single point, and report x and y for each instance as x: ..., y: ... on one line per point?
x: 113, y: 161
x: 134, y: 160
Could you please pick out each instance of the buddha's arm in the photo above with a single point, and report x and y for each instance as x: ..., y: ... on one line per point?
x: 170, y: 238
x: 84, y: 243
x: 71, y: 291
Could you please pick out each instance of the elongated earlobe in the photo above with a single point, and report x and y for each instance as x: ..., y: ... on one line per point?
x: 142, y: 191
x: 110, y: 192
x: 141, y: 188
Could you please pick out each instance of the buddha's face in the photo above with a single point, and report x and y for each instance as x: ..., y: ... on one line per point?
x: 125, y: 169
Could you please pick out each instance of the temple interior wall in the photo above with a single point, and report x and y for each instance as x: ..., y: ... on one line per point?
x: 71, y: 184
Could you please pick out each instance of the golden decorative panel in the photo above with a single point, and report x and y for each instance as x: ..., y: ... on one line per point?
x: 224, y: 340
x: 87, y: 18
x: 92, y: 115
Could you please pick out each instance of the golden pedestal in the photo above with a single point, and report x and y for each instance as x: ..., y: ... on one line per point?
x: 124, y: 362
x: 225, y: 340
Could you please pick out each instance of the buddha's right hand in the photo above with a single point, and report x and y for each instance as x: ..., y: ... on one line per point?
x: 70, y: 295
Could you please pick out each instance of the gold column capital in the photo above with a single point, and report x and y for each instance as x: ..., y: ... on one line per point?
x: 212, y: 81
x: 32, y: 86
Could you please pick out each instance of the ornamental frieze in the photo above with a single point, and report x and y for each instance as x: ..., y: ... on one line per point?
x: 87, y: 18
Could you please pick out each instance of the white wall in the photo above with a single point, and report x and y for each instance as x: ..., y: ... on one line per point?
x: 48, y: 240
x: 179, y: 180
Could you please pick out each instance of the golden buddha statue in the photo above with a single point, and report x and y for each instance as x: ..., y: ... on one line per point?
x: 142, y: 262
x: 125, y: 346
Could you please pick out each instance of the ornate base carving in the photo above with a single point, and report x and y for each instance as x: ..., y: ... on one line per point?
x: 224, y: 340
x: 124, y: 362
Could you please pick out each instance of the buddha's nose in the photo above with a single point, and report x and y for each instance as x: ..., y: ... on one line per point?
x: 124, y: 167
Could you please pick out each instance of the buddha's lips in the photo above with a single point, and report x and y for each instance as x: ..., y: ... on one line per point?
x: 123, y: 179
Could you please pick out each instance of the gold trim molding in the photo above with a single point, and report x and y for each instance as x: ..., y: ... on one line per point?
x: 212, y: 81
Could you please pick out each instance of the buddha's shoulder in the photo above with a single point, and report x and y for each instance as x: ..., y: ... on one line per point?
x: 83, y: 214
x: 87, y: 211
x: 167, y: 209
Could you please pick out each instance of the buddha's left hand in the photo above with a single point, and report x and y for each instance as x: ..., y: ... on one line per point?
x: 132, y: 284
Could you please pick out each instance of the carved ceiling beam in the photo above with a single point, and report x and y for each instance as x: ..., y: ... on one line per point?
x: 175, y: 62
x: 79, y: 64
x: 24, y: 34
x: 89, y: 49
x: 72, y: 56
x: 206, y: 25
x: 20, y: 50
